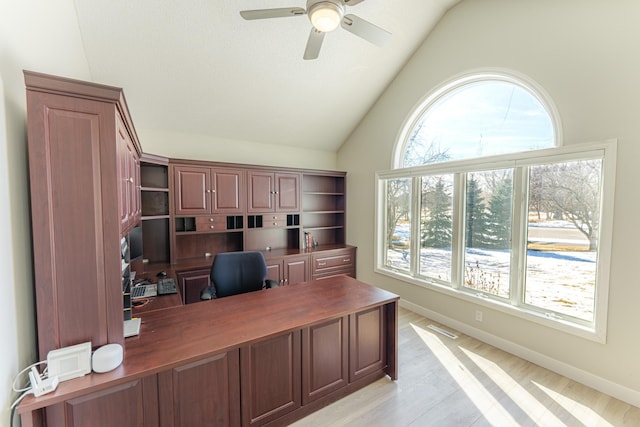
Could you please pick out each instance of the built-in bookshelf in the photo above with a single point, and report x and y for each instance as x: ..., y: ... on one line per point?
x: 154, y: 196
x: 323, y: 201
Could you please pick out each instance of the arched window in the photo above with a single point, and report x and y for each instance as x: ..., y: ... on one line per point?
x: 482, y: 202
x: 480, y: 115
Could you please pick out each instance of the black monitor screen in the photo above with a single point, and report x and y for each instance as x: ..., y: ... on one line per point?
x: 135, y: 243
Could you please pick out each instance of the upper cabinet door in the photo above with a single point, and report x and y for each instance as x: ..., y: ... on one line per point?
x: 287, y: 192
x: 129, y: 178
x: 192, y: 190
x: 228, y: 191
x: 261, y: 191
x: 273, y: 192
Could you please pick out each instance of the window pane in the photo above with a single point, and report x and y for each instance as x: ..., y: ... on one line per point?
x: 398, y: 226
x: 487, y: 231
x: 564, y: 208
x: 436, y: 227
x: 479, y: 119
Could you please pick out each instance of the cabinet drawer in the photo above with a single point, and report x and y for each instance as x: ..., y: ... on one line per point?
x: 274, y: 220
x: 211, y: 223
x: 331, y: 263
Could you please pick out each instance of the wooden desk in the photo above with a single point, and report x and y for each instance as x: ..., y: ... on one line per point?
x: 271, y: 356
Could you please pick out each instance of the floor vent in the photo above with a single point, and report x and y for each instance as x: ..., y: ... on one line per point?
x: 443, y: 332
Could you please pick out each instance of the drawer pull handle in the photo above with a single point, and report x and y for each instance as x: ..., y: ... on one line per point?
x: 210, y: 219
x: 321, y: 264
x: 346, y: 260
x: 211, y: 226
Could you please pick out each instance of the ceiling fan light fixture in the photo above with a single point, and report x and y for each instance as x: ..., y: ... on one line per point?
x: 326, y: 16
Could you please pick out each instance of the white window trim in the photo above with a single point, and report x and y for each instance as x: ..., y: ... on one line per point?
x: 472, y: 76
x: 596, y: 333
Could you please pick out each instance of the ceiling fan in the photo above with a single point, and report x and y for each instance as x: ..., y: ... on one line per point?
x: 325, y: 16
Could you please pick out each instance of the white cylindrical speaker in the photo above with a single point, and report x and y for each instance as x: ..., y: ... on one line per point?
x: 107, y: 358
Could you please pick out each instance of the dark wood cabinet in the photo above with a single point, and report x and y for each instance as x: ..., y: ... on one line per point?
x: 76, y: 208
x: 333, y: 262
x: 221, y: 207
x: 190, y: 190
x: 191, y: 283
x: 202, y: 190
x: 248, y: 364
x: 288, y: 270
x: 325, y: 358
x: 367, y: 353
x: 296, y: 269
x: 202, y: 393
x: 275, y: 270
x: 273, y: 191
x: 270, y: 379
x: 128, y: 177
x: 132, y: 404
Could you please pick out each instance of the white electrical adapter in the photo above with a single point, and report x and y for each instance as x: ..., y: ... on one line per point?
x: 70, y: 362
x: 41, y: 386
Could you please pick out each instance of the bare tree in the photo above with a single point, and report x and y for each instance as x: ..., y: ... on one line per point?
x: 573, y: 189
x: 419, y: 151
x: 398, y: 204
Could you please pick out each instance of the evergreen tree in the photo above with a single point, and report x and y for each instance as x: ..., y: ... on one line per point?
x: 476, y: 216
x: 436, y: 229
x: 499, y: 217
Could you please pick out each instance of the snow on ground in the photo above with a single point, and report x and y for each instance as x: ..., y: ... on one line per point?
x: 562, y: 281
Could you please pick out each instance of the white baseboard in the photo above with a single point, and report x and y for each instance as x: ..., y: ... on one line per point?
x: 603, y: 385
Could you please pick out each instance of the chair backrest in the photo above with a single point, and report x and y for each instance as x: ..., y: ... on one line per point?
x: 238, y: 272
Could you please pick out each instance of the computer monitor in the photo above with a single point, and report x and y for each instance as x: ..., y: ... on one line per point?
x: 135, y: 243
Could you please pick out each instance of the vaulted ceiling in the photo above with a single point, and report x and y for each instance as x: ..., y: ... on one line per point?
x: 197, y: 67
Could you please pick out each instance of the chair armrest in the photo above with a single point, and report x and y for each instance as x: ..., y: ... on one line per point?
x: 271, y: 283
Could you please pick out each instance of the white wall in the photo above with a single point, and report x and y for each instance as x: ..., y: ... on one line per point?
x: 201, y: 147
x: 584, y: 53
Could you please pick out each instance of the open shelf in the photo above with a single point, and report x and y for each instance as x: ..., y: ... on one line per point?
x: 198, y: 245
x: 323, y: 184
x: 154, y: 199
x: 154, y: 176
x: 324, y: 206
x: 154, y: 202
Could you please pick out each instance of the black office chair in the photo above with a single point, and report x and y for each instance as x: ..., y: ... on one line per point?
x: 236, y: 273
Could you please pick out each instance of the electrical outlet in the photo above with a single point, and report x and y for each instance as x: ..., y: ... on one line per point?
x: 478, y: 316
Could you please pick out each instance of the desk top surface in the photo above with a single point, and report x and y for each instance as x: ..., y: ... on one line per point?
x: 180, y: 335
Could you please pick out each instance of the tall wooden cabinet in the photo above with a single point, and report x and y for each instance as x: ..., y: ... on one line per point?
x: 83, y: 154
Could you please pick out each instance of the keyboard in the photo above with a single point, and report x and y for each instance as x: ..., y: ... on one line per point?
x: 144, y: 291
x: 167, y: 286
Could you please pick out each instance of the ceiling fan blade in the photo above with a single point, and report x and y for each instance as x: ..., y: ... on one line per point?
x: 313, y: 44
x: 352, y: 2
x: 272, y: 13
x: 366, y: 30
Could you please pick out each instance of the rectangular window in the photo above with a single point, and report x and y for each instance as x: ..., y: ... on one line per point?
x: 487, y: 231
x: 398, y: 223
x: 562, y: 237
x: 436, y: 227
x: 530, y: 231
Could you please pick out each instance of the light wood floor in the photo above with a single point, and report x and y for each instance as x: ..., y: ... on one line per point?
x: 465, y: 382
